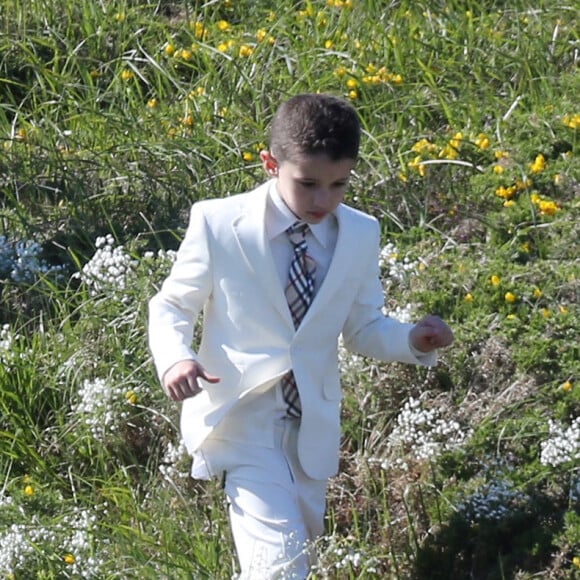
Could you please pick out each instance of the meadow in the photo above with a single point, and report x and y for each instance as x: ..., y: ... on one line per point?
x: 117, y: 115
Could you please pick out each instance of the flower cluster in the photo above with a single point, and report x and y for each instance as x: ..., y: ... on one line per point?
x: 7, y: 338
x: 169, y: 466
x: 21, y: 261
x: 71, y: 537
x: 563, y: 446
x: 423, y: 434
x: 397, y: 270
x: 493, y: 502
x: 109, y: 269
x: 349, y: 362
x: 97, y: 407
x: 426, y: 151
x: 401, y: 313
x: 337, y: 554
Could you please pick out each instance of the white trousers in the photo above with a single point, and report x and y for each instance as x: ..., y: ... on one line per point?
x: 276, y: 511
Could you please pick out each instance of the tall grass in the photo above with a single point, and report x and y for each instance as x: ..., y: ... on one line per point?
x: 116, y: 115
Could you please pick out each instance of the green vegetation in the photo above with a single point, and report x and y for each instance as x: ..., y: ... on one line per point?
x: 116, y: 115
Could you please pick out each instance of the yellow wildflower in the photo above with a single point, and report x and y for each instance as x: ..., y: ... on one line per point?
x: 572, y: 121
x: 511, y: 317
x: 456, y: 141
x: 246, y: 51
x: 199, y: 30
x: 482, y: 141
x: 169, y: 49
x: 495, y: 280
x: 197, y: 92
x: 262, y: 35
x: 340, y: 71
x: 546, y: 312
x: 353, y: 95
x: 538, y: 293
x: 526, y: 247
x: 69, y: 559
x: 120, y: 17
x: 539, y: 164
x: 506, y: 192
x: 576, y: 561
x: 521, y: 185
x: 468, y: 297
x: 423, y: 145
x: 152, y: 103
x: 500, y: 154
x: 548, y: 207
x: 187, y: 120
x: 563, y: 309
x: 418, y: 166
x: 567, y: 386
x: 131, y: 397
x: 328, y: 44
x: 29, y: 491
x: 248, y: 156
x: 352, y: 83
x: 224, y: 25
x: 510, y: 297
x: 498, y: 169
x: 127, y: 75
x: 449, y: 152
x: 509, y: 203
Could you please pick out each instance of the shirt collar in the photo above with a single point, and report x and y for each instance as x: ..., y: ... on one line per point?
x: 280, y: 217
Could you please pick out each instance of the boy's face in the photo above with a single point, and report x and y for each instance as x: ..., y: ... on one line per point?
x: 312, y: 186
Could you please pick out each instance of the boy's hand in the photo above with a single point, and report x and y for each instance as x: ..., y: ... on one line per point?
x: 180, y: 381
x: 430, y: 333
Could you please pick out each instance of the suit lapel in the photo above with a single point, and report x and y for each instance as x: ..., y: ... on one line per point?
x: 250, y: 231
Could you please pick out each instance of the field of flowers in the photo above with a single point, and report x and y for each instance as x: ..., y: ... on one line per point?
x: 116, y: 115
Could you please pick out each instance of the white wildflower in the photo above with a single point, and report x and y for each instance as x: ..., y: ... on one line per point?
x: 396, y: 269
x: 110, y: 268
x: 563, y: 445
x: 98, y: 407
x: 169, y: 463
x: 423, y: 434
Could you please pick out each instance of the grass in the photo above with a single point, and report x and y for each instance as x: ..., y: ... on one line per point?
x: 116, y: 115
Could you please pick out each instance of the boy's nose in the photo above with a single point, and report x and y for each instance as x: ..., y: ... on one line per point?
x: 322, y: 198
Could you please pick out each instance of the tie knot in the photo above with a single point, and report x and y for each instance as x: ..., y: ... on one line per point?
x: 297, y: 232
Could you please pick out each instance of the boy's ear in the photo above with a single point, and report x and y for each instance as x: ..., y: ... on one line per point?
x: 269, y: 162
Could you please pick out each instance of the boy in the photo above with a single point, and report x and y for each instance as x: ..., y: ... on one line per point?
x: 261, y: 399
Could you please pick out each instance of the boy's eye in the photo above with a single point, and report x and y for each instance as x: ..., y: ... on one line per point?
x: 307, y: 183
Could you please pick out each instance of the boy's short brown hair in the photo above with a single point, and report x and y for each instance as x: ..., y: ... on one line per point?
x: 309, y: 124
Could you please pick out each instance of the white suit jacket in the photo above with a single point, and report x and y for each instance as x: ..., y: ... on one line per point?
x: 225, y: 268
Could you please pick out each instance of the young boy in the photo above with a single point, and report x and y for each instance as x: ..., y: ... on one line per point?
x: 261, y: 398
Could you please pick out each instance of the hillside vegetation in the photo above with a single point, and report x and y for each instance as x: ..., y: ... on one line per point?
x: 117, y: 115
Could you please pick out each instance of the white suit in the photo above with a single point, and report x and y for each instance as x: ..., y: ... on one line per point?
x: 225, y: 268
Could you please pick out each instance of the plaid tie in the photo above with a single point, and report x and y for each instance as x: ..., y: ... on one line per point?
x: 299, y: 293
